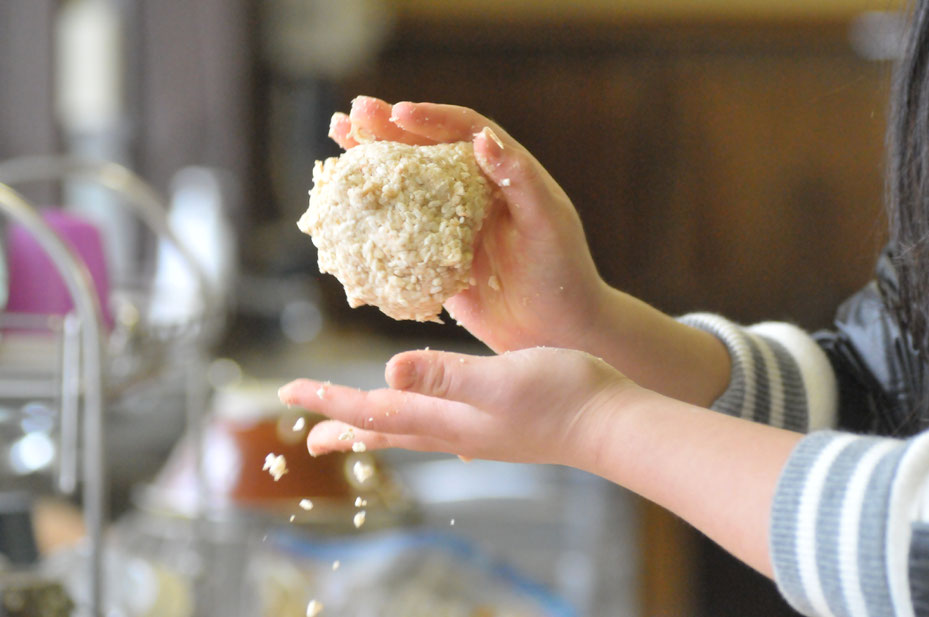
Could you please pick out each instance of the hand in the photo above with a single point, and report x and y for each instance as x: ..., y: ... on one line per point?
x: 565, y: 407
x: 535, y: 280
x: 546, y: 289
x: 538, y: 405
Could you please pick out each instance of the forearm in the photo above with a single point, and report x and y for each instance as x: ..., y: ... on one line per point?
x: 716, y: 472
x: 656, y: 351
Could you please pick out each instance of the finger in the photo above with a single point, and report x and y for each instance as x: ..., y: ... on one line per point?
x: 340, y: 127
x: 370, y: 119
x: 443, y: 375
x: 384, y: 410
x: 443, y: 123
x: 329, y: 436
x: 523, y: 181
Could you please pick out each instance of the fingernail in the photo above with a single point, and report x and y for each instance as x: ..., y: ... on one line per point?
x: 489, y: 133
x: 402, y: 374
x: 370, y: 103
x: 393, y: 110
x: 336, y: 117
x: 489, y: 155
x: 284, y: 393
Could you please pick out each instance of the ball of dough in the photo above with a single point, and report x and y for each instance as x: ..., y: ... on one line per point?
x: 396, y: 224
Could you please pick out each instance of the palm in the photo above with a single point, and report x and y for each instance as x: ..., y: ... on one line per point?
x: 539, y: 297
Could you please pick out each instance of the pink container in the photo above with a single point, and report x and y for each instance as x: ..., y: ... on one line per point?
x: 35, y: 285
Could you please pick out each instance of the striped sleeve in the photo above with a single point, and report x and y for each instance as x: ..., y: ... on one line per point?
x: 919, y: 569
x: 779, y: 375
x: 849, y: 533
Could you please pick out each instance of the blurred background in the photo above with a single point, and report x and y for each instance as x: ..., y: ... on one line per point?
x: 724, y: 155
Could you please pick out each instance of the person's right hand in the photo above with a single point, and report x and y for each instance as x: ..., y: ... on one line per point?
x: 535, y: 282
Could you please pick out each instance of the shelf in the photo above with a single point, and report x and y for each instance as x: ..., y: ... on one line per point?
x: 554, y: 10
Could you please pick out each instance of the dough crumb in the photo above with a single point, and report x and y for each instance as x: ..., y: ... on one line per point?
x: 359, y: 519
x: 396, y: 224
x: 362, y: 471
x: 314, y: 608
x: 306, y: 504
x: 493, y: 282
x: 276, y: 465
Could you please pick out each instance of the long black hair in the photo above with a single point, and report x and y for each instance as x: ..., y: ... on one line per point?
x: 908, y: 180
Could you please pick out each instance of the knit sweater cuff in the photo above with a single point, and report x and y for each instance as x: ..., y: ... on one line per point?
x: 779, y: 375
x: 842, y: 524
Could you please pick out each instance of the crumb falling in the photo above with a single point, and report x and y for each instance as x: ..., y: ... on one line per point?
x: 293, y: 517
x: 314, y: 608
x: 336, y: 564
x: 276, y: 465
x: 306, y: 504
x: 360, y: 503
x: 300, y: 424
x: 362, y: 471
x: 359, y: 518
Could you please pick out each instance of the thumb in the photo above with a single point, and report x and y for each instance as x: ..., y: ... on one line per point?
x: 524, y: 182
x: 450, y: 376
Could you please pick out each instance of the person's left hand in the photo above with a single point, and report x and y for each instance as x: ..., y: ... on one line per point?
x: 538, y: 405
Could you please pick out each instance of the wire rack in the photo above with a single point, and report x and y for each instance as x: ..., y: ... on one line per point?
x: 86, y: 366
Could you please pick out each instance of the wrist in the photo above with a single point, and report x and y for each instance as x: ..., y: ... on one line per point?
x: 599, y: 331
x: 657, y: 351
x: 596, y: 443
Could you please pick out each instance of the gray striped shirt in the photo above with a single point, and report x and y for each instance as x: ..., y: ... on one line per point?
x: 850, y: 521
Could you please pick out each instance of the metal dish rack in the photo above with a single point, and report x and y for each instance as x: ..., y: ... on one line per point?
x: 82, y: 375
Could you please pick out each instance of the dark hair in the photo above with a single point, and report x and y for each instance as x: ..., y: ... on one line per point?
x: 908, y: 188
x: 907, y: 177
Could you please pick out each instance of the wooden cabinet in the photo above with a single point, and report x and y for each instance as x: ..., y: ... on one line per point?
x: 723, y: 165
